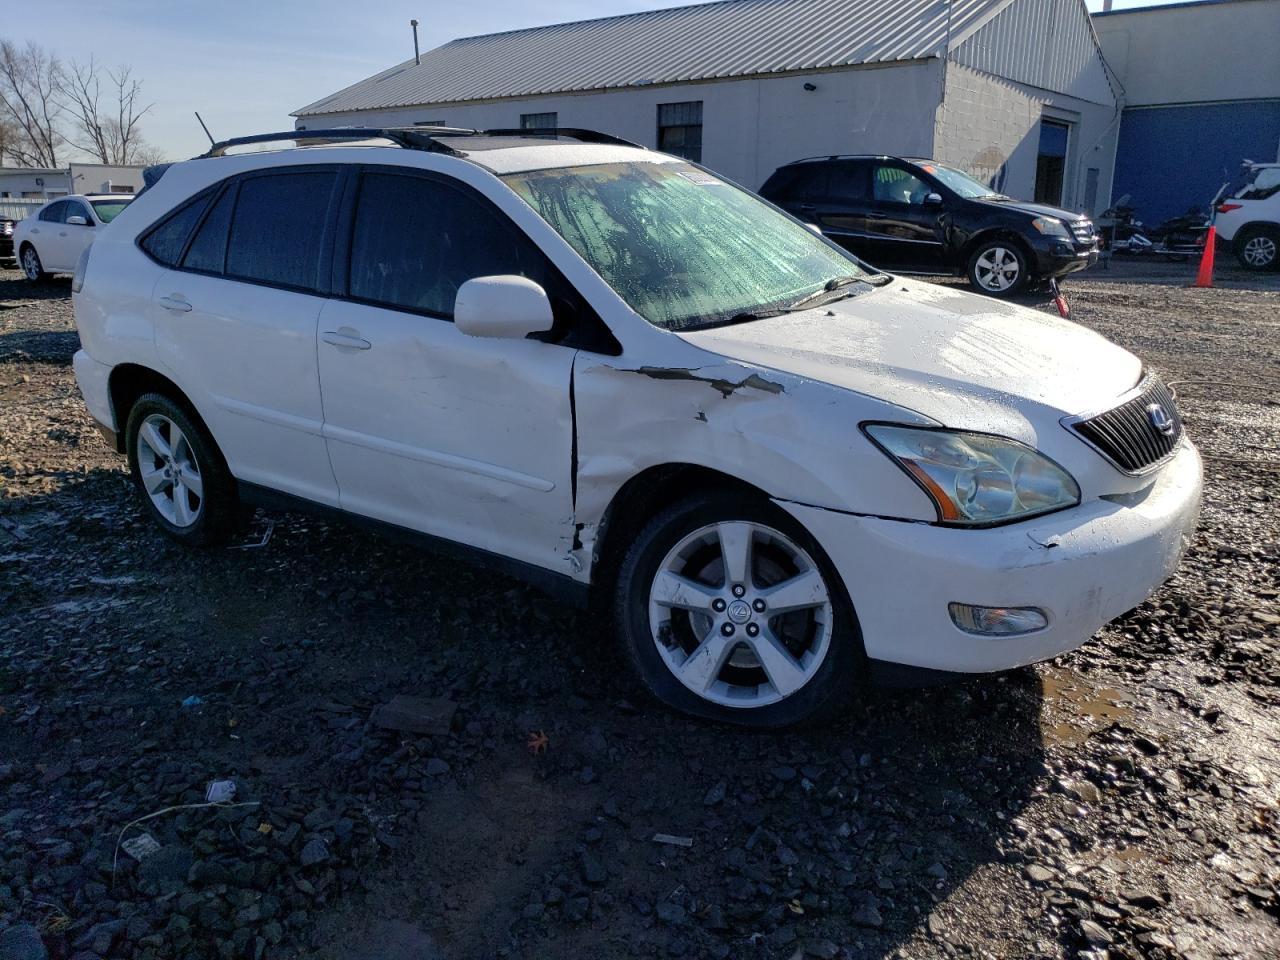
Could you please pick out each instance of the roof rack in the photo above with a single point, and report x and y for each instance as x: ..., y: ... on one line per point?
x: 415, y: 138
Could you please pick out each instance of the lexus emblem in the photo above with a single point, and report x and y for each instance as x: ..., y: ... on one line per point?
x: 1160, y: 419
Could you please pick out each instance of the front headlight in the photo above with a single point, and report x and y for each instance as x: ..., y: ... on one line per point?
x: 977, y: 478
x: 1051, y: 227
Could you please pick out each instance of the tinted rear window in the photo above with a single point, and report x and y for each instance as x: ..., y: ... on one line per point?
x: 208, y: 250
x: 277, y: 229
x: 165, y: 241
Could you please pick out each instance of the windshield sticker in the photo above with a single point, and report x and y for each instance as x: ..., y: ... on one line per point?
x: 700, y: 178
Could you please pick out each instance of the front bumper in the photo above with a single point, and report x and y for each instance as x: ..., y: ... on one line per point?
x: 6, y: 247
x: 1057, y: 258
x: 1084, y: 567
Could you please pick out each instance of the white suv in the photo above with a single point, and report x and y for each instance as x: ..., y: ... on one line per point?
x: 614, y: 372
x: 1248, y: 217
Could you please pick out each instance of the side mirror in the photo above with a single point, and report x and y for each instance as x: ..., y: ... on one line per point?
x: 510, y: 307
x: 932, y: 199
x: 75, y: 220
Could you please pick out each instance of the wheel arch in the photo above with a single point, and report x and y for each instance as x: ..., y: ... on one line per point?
x: 1003, y: 234
x: 129, y: 381
x: 1266, y: 226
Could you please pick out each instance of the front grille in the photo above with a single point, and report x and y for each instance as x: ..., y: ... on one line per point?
x: 1083, y: 231
x: 1129, y: 435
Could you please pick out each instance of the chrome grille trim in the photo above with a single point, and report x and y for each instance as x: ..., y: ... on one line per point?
x: 1125, y: 435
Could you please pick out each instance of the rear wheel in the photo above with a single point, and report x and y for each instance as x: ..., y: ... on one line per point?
x: 726, y: 608
x: 32, y: 268
x: 180, y: 473
x: 998, y: 268
x: 1258, y: 248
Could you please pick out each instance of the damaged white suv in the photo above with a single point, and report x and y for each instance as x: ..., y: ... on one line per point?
x: 615, y: 373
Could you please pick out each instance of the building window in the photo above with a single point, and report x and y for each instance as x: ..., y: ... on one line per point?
x: 680, y: 129
x: 539, y: 121
x: 1051, y: 163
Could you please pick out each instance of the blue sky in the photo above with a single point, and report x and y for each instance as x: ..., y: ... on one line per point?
x: 245, y: 65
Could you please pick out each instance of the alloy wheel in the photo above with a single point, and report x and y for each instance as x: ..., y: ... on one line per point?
x: 1259, y: 251
x: 31, y: 264
x: 740, y: 614
x: 997, y: 269
x: 169, y: 471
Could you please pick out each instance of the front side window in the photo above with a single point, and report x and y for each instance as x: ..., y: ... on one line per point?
x: 959, y: 182
x: 680, y: 129
x: 417, y: 240
x: 277, y: 228
x: 680, y: 246
x: 108, y: 210
x: 895, y: 185
x: 77, y: 209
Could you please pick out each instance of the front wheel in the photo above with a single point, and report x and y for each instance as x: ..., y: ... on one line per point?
x: 998, y: 268
x: 32, y: 268
x: 180, y: 473
x: 726, y: 608
x: 1258, y: 248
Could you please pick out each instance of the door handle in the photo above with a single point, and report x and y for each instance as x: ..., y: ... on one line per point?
x: 333, y: 338
x: 877, y: 216
x: 176, y: 304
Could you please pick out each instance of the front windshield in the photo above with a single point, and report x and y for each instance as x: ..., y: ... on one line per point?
x: 107, y: 210
x: 680, y: 246
x: 960, y: 183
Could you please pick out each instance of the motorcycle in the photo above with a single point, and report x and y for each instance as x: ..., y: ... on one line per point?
x: 1179, y: 238
x: 1122, y: 231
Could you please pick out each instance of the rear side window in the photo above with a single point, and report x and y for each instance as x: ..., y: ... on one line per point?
x: 803, y: 182
x: 1265, y: 183
x: 850, y: 180
x: 277, y: 230
x: 165, y: 241
x: 208, y: 250
x: 55, y: 212
x: 416, y: 241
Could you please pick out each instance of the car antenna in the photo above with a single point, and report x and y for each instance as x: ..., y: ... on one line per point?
x: 206, y: 129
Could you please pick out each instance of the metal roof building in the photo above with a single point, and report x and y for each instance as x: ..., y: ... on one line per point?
x: 746, y: 85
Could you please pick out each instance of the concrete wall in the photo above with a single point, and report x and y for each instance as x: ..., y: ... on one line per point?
x: 40, y: 184
x: 991, y: 128
x: 750, y: 126
x: 1195, y: 53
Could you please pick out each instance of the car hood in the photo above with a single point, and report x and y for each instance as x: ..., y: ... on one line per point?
x: 1033, y: 209
x: 957, y: 358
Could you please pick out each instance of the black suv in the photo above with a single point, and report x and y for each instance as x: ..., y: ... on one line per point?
x: 919, y: 216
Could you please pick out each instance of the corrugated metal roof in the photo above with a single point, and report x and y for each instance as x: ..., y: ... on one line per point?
x: 732, y: 38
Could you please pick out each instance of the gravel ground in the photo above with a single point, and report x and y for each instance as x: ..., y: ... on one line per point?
x: 1119, y: 802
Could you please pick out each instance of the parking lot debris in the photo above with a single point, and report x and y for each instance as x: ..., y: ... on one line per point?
x: 672, y: 840
x: 219, y: 791
x: 192, y: 701
x: 537, y: 742
x: 260, y: 542
x: 141, y: 846
x: 425, y: 715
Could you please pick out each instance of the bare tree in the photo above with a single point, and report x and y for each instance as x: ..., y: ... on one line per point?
x: 106, y: 131
x: 30, y: 102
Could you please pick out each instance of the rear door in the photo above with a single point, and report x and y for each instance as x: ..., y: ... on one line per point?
x: 844, y: 204
x: 460, y: 437
x: 235, y: 320
x: 904, y: 227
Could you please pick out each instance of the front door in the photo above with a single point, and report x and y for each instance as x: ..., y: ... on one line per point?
x: 904, y: 224
x: 460, y: 437
x: 72, y: 238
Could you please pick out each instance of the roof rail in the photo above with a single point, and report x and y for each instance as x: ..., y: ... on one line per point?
x: 414, y: 138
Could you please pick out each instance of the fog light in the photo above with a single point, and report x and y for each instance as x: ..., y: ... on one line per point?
x: 997, y: 621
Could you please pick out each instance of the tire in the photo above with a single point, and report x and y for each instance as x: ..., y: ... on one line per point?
x: 998, y: 268
x: 193, y: 496
x: 724, y: 679
x: 1258, y: 248
x: 31, y: 266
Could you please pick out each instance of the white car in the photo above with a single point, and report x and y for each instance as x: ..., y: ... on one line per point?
x: 1248, y: 217
x: 52, y: 238
x: 610, y: 370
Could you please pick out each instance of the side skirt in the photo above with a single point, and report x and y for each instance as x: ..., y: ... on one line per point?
x: 557, y: 585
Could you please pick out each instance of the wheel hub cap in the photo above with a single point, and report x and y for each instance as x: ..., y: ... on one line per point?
x: 169, y: 471
x: 740, y: 614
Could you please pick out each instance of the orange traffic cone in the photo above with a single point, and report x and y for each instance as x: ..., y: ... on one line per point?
x: 1204, y: 278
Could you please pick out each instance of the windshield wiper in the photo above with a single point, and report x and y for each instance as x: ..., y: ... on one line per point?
x: 830, y: 287
x: 994, y: 196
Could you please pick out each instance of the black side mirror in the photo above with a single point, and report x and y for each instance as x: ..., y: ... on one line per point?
x: 932, y: 199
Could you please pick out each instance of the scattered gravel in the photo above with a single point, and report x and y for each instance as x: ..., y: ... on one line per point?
x: 1120, y: 802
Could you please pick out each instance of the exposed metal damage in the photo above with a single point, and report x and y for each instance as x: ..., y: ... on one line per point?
x: 726, y: 387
